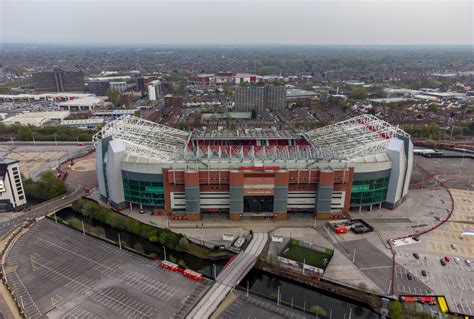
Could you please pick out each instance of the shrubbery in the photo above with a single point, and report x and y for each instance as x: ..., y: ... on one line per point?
x: 165, y: 237
x: 46, y: 133
x: 46, y: 187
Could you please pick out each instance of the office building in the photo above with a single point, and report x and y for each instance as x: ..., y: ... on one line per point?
x: 98, y: 87
x: 59, y: 81
x: 360, y: 162
x: 12, y: 194
x: 118, y: 86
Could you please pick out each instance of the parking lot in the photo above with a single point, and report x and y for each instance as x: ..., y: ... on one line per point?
x: 37, y: 159
x: 58, y: 272
x: 455, y: 280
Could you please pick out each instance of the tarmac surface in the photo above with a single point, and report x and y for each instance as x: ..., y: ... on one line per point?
x: 244, y: 307
x: 36, y: 159
x: 60, y: 273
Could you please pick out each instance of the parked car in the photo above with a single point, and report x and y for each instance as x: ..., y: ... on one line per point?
x: 468, y: 262
x: 453, y: 246
x: 409, y: 276
x: 457, y: 260
x: 446, y: 258
x: 441, y: 260
x: 416, y: 255
x: 423, y: 273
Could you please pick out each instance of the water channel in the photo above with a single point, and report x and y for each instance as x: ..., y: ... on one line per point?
x: 259, y: 282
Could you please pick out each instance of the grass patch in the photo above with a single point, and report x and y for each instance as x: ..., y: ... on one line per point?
x: 309, y: 256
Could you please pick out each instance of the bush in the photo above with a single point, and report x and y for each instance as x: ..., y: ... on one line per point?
x: 395, y: 309
x: 47, y: 187
x: 183, y: 244
x: 47, y: 133
x: 153, y: 239
x: 320, y: 311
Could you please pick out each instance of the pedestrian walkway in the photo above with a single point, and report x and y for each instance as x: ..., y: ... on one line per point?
x: 230, y: 277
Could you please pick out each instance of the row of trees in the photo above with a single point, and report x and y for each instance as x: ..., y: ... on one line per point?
x: 48, y: 186
x: 47, y: 133
x: 106, y: 216
x: 434, y: 131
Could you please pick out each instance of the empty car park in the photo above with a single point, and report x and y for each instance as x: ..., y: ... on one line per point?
x: 57, y: 272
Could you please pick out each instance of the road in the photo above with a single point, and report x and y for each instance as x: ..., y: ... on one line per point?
x: 44, y: 143
x: 230, y: 277
x: 40, y: 210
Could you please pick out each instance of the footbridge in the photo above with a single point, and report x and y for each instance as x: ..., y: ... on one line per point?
x: 229, y: 277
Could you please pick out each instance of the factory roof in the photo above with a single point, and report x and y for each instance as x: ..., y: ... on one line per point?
x: 85, y: 101
x: 36, y: 118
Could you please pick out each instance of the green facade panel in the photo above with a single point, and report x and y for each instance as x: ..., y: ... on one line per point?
x: 366, y: 192
x: 145, y: 193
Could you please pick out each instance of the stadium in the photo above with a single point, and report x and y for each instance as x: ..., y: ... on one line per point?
x: 358, y: 163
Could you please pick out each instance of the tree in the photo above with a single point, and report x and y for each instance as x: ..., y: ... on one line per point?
x: 433, y: 108
x: 359, y: 93
x: 197, y: 120
x: 113, y: 96
x: 395, y: 309
x: 254, y: 114
x: 183, y: 244
x: 25, y: 133
x: 48, y: 186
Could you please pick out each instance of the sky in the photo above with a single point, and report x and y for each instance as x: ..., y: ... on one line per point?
x: 228, y: 22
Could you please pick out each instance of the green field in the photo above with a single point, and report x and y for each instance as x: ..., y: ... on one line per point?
x: 309, y: 256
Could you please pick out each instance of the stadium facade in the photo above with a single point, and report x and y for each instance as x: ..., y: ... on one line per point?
x: 360, y: 162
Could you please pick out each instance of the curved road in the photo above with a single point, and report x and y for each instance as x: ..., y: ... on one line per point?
x: 40, y: 210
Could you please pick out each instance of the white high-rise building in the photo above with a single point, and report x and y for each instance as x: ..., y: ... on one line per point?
x: 12, y: 194
x: 154, y: 91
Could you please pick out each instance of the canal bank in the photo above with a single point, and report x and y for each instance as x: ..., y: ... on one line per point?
x: 262, y: 282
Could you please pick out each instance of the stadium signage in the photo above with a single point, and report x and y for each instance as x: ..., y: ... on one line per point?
x: 259, y: 168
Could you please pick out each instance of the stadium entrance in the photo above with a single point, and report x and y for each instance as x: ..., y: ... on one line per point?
x: 258, y: 204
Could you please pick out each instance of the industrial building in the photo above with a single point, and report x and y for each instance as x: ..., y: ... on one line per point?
x: 37, y: 118
x: 12, y: 194
x: 361, y: 162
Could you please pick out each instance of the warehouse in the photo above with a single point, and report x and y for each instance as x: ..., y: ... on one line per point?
x: 360, y: 162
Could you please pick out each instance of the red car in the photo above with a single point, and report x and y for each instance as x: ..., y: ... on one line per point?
x: 446, y: 258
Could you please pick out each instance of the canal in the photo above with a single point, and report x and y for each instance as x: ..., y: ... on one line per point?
x: 259, y: 282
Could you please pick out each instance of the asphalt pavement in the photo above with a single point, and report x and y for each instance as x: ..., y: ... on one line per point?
x: 40, y: 210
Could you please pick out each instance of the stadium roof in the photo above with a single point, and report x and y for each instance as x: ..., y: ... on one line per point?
x: 356, y: 137
x: 362, y: 138
x: 145, y: 138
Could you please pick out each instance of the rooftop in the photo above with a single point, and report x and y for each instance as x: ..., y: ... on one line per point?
x: 7, y: 161
x: 361, y: 139
x: 245, y: 134
x: 84, y: 101
x: 36, y: 118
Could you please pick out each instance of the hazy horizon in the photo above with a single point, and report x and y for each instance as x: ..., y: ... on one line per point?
x: 231, y: 23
